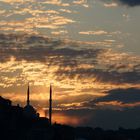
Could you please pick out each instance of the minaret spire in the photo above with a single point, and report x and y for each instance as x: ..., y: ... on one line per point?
x: 28, y: 95
x: 50, y: 105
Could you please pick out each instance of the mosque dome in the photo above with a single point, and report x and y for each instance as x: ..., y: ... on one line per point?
x: 29, y: 111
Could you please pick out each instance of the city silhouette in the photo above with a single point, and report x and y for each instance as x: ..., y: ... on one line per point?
x: 24, y: 123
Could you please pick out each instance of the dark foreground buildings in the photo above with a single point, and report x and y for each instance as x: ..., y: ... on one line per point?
x: 17, y: 123
x: 24, y: 123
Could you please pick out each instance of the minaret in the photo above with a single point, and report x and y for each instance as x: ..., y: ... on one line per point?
x: 50, y: 105
x: 29, y: 111
x: 28, y: 95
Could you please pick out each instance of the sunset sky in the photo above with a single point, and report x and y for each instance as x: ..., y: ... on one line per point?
x: 89, y: 50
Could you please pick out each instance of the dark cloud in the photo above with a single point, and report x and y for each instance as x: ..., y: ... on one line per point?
x: 102, y: 75
x: 106, y: 118
x: 126, y: 2
x: 35, y: 48
x: 130, y: 95
x: 125, y: 96
x: 69, y: 55
x: 131, y: 2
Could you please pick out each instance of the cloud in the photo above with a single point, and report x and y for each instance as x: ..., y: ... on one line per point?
x: 113, y: 4
x: 104, y: 118
x: 34, y: 16
x: 102, y: 75
x: 71, y: 58
x: 41, y: 49
x: 79, y: 72
x: 117, y: 99
x: 100, y: 32
x: 130, y: 3
x: 130, y: 95
x: 83, y: 77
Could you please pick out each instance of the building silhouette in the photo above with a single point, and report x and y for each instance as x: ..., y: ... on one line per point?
x: 23, y: 123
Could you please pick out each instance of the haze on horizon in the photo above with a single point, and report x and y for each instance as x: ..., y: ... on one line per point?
x: 88, y: 49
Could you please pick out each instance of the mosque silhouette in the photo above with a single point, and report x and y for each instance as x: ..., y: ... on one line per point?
x: 30, y: 112
x: 17, y: 123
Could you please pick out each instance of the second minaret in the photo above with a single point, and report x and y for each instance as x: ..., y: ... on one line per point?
x: 50, y: 105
